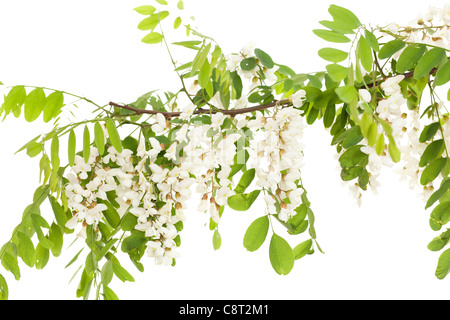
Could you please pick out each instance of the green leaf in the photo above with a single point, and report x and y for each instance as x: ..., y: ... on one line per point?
x: 152, y: 38
x: 74, y: 258
x: 302, y: 249
x: 242, y: 201
x: 352, y: 156
x: 365, y: 54
x: 337, y: 72
x: 4, y: 293
x: 443, y: 188
x: 443, y: 265
x: 432, y: 151
x: 34, y: 148
x: 99, y: 138
x: 177, y: 22
x: 14, y: 100
x: 34, y: 104
x: 344, y: 16
x: 429, y: 60
x: 409, y: 57
x: 432, y: 170
x: 439, y: 242
x: 145, y: 10
x: 328, y: 116
x: 180, y: 5
x: 60, y: 215
x: 348, y: 174
x: 248, y: 64
x: 26, y: 249
x: 38, y: 222
x: 107, y: 272
x: 332, y: 54
x: 163, y: 2
x: 443, y: 74
x: 9, y: 261
x: 108, y: 293
x: 372, y: 134
x: 72, y: 148
x: 347, y: 93
x: 111, y: 214
x: 128, y: 222
x: 53, y: 105
x: 54, y: 153
x: 331, y: 36
x: 256, y: 233
x: 337, y: 26
x: 55, y: 235
x: 200, y: 58
x: 42, y: 256
x: 380, y: 145
x: 353, y: 137
x: 390, y: 48
x: 440, y: 215
x: 204, y: 75
x: 105, y: 249
x: 151, y: 22
x: 90, y: 265
x: 372, y: 40
x: 281, y: 255
x: 86, y: 144
x: 245, y: 180
x: 121, y: 273
x: 237, y: 84
x: 394, y: 152
x: 192, y: 44
x: 429, y: 131
x: 217, y: 240
x: 135, y: 240
x: 264, y: 58
x: 114, y: 135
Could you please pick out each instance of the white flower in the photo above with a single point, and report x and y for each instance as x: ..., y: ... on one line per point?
x: 214, y: 212
x: 223, y: 194
x: 187, y: 112
x: 156, y: 147
x: 298, y: 98
x: 217, y: 120
x: 181, y: 134
x: 390, y: 85
x: 160, y: 124
x: 171, y: 153
x: 365, y: 95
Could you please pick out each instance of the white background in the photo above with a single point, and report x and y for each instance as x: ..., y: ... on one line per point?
x: 93, y: 48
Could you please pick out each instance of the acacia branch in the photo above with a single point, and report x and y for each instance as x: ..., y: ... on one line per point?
x: 233, y: 112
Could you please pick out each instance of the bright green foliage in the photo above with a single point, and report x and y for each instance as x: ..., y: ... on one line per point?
x: 428, y: 61
x: 256, y: 233
x: 347, y: 96
x: 281, y: 255
x: 390, y: 48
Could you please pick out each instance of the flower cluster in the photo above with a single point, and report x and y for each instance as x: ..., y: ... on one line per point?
x: 432, y: 28
x: 136, y: 184
x: 278, y: 158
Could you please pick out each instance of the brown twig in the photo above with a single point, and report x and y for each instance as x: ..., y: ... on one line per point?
x: 233, y: 112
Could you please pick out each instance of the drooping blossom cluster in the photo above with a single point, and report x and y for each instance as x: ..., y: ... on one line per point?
x: 155, y: 195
